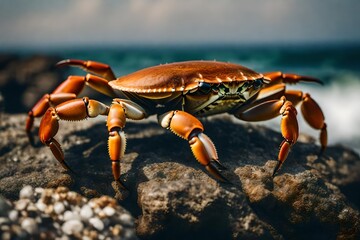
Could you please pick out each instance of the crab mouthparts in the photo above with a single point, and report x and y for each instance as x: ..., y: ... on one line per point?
x: 235, y: 90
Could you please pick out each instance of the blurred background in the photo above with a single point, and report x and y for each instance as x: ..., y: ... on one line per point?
x: 308, y: 37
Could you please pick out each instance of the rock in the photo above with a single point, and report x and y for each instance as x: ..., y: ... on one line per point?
x: 176, y: 208
x: 174, y: 197
x: 96, y: 223
x: 86, y: 212
x: 72, y: 227
x: 59, y: 207
x: 32, y: 222
x: 5, y: 206
x: 29, y: 225
x: 24, y: 78
x: 109, y: 211
x: 26, y: 192
x: 303, y: 202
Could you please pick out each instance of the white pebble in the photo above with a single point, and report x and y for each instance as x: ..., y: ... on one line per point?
x: 26, y: 192
x: 13, y: 215
x: 22, y: 204
x: 86, y: 212
x: 56, y: 197
x: 29, y: 225
x: 109, y: 211
x: 59, y: 207
x: 69, y: 215
x: 126, y: 219
x: 97, y: 223
x: 41, y: 205
x: 72, y: 226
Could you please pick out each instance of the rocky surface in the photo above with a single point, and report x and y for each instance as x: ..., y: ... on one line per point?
x: 170, y: 194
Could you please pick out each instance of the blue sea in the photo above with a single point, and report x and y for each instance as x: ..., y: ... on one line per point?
x: 338, y: 66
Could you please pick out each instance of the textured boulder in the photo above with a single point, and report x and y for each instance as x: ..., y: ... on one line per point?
x: 172, y: 196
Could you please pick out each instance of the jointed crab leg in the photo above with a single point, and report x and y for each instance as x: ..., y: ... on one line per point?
x: 279, y: 77
x: 119, y: 111
x: 69, y: 89
x: 77, y: 109
x: 190, y: 128
x: 97, y: 68
x: 289, y: 125
x: 312, y: 113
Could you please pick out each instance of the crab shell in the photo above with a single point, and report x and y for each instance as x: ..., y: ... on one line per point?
x: 182, y: 76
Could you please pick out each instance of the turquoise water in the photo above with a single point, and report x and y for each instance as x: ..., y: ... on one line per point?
x: 337, y: 66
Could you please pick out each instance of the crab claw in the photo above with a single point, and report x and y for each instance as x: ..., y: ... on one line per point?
x: 190, y: 128
x: 215, y: 173
x: 204, y: 151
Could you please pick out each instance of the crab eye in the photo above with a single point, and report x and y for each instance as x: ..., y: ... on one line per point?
x: 257, y: 83
x: 204, y: 87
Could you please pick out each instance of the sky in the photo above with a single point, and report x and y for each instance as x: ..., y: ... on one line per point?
x: 98, y: 22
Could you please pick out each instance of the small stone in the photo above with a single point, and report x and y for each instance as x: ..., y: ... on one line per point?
x: 126, y: 219
x: 29, y: 225
x: 101, y: 214
x: 22, y: 204
x: 13, y: 215
x: 41, y: 205
x: 69, y: 215
x: 72, y: 227
x: 86, y: 212
x: 116, y: 230
x: 62, y: 189
x: 26, y: 192
x: 59, y: 208
x: 109, y: 211
x: 97, y: 223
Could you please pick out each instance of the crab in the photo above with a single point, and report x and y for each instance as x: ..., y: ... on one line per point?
x: 178, y: 93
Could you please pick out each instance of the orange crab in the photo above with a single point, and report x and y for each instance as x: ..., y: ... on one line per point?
x: 177, y: 93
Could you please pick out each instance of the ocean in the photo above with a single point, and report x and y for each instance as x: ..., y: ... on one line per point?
x: 338, y: 66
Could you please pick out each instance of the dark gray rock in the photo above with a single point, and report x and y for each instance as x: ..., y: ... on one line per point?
x: 173, y: 197
x: 24, y: 79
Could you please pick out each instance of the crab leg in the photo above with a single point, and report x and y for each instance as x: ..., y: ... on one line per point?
x: 77, y: 109
x: 190, y: 128
x: 289, y: 125
x: 97, y: 68
x: 279, y: 77
x: 312, y: 113
x: 68, y: 90
x: 119, y: 111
